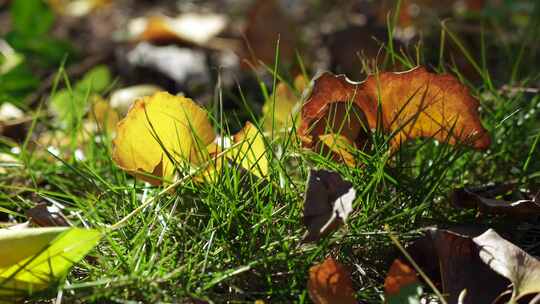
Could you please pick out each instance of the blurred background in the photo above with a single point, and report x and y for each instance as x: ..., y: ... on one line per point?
x: 201, y: 48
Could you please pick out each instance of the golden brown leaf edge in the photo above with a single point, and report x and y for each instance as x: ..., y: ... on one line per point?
x: 413, y: 104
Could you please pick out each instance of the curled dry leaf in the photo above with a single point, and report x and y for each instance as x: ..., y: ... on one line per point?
x: 329, y: 282
x: 451, y: 259
x: 43, y: 216
x: 412, y: 104
x: 497, y: 199
x: 510, y: 261
x: 327, y: 203
x: 159, y: 129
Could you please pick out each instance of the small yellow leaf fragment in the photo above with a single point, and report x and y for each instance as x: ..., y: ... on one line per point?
x: 339, y: 146
x: 249, y: 150
x: 246, y: 150
x: 103, y: 114
x: 280, y: 110
x: 158, y: 130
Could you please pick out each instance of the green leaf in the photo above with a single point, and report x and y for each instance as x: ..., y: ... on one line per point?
x: 33, y: 259
x: 45, y: 50
x: 69, y: 106
x: 17, y: 83
x: 96, y: 80
x: 31, y: 17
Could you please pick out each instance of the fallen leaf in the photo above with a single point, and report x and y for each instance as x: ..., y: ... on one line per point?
x: 44, y: 216
x: 32, y: 259
x: 103, y: 114
x: 197, y: 29
x: 338, y: 146
x: 246, y: 150
x: 249, y: 150
x: 158, y: 130
x: 69, y: 105
x: 412, y: 104
x: 510, y: 261
x: 329, y: 282
x: 327, y: 203
x: 281, y: 108
x: 451, y: 259
x: 496, y: 199
x: 267, y: 22
x: 399, y: 276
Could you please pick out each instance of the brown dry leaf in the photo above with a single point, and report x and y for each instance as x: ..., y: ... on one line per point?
x: 266, y: 23
x: 499, y: 199
x: 413, y: 104
x: 42, y: 216
x: 160, y: 128
x: 329, y: 282
x: 327, y: 203
x: 451, y: 259
x: 399, y: 276
x: 510, y: 261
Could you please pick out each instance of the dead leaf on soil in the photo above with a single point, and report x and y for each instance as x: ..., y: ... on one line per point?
x: 329, y: 282
x: 44, y: 216
x: 412, y: 104
x: 510, y: 261
x: 451, y: 259
x: 499, y: 199
x: 399, y: 276
x: 327, y: 203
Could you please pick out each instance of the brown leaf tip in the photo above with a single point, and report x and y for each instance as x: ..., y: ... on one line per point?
x: 330, y: 282
x: 400, y: 275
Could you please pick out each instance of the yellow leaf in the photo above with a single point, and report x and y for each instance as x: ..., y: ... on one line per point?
x: 32, y: 259
x: 339, y: 146
x: 249, y: 150
x: 103, y: 114
x: 159, y: 128
x: 282, y: 112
